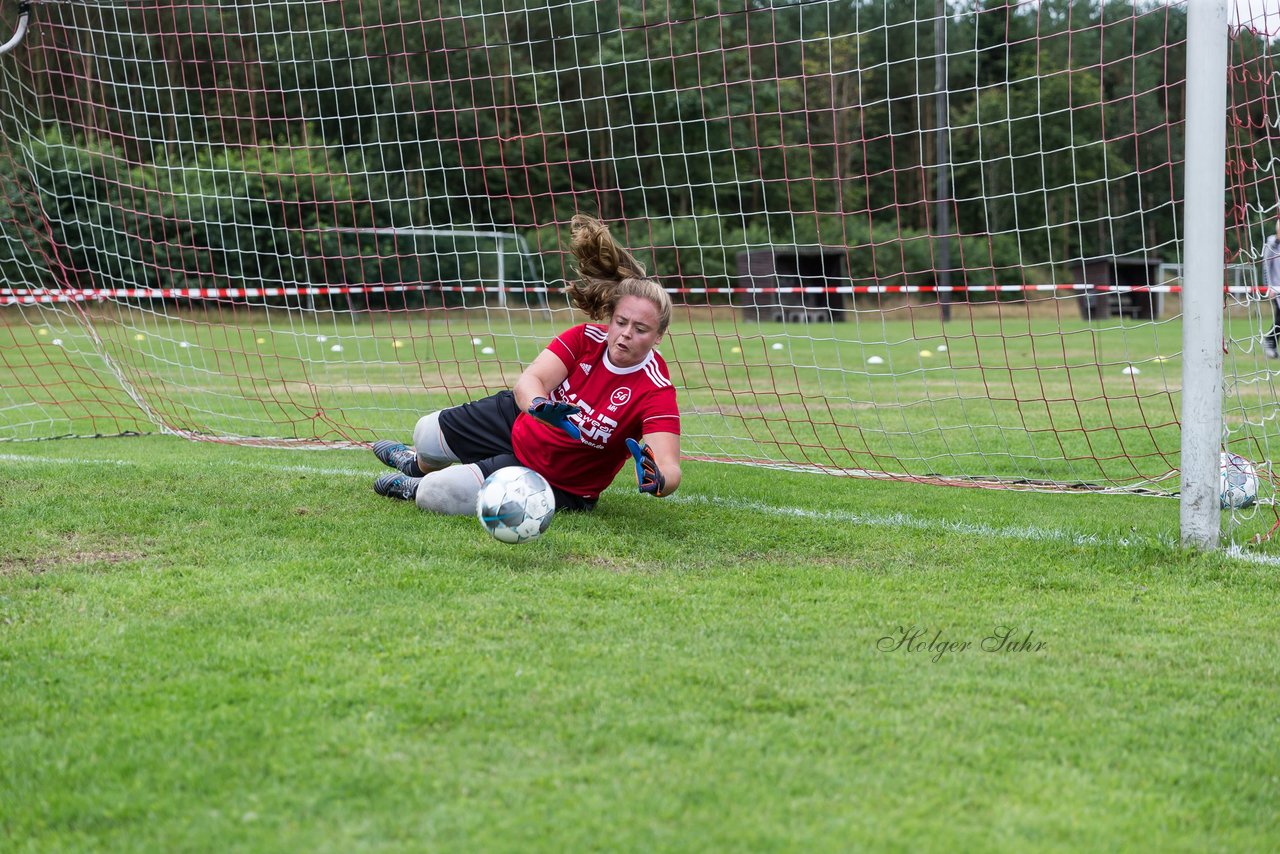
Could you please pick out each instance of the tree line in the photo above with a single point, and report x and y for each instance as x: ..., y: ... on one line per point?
x: 165, y: 145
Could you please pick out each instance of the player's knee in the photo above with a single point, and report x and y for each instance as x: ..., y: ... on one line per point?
x: 429, y: 444
x: 451, y: 491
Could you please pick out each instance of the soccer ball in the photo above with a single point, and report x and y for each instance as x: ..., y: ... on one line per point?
x: 515, y: 505
x: 1238, y: 482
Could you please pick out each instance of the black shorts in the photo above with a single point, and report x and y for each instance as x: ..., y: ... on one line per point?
x: 479, y: 433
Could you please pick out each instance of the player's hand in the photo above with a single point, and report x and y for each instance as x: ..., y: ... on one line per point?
x: 647, y: 471
x: 556, y: 414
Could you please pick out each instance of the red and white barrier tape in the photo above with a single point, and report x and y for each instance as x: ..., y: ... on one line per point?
x: 33, y: 296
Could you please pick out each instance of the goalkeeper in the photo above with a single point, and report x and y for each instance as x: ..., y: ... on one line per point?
x: 597, y: 397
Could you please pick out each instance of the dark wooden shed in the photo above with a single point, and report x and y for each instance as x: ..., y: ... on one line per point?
x: 769, y: 281
x: 1128, y: 271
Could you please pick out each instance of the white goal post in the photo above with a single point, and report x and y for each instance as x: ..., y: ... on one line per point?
x: 1202, y: 296
x: 500, y: 288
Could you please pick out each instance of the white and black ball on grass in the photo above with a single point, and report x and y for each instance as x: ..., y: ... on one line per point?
x: 1238, y: 482
x: 515, y: 505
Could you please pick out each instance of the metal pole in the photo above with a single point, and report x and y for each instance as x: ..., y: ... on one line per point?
x: 24, y: 14
x: 942, y: 216
x: 502, y: 274
x: 1203, y: 229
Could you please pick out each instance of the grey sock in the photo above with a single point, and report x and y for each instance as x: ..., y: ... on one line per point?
x: 451, y: 491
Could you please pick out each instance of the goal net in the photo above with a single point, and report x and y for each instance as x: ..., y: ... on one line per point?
x: 915, y: 240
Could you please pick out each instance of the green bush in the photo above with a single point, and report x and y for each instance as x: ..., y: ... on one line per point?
x: 271, y: 215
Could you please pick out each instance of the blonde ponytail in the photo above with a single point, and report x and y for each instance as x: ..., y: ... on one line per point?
x: 607, y: 272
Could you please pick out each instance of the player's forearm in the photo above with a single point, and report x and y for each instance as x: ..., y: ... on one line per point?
x: 526, y: 389
x: 671, y: 473
x: 667, y: 458
x: 543, y: 374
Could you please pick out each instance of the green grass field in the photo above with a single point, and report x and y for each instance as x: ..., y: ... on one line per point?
x: 206, y: 647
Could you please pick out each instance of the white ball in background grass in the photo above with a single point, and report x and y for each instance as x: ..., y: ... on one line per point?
x: 262, y: 341
x: 475, y: 341
x: 57, y: 342
x: 777, y: 346
x: 184, y: 344
x: 875, y: 360
x: 488, y: 351
x: 1238, y: 482
x: 1130, y: 370
x: 735, y: 349
x: 322, y: 338
x: 515, y: 505
x: 942, y: 348
x: 336, y: 348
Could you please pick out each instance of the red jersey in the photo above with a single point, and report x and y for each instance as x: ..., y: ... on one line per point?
x: 617, y: 404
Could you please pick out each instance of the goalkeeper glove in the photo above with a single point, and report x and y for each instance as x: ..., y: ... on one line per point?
x: 556, y: 414
x: 647, y: 471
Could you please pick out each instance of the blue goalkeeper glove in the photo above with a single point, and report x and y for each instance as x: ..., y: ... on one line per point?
x: 557, y: 415
x: 647, y: 471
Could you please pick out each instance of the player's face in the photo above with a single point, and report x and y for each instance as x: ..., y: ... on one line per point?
x: 633, y: 331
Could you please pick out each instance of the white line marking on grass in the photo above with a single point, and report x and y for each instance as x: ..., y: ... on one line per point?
x: 1237, y: 551
x: 25, y: 458
x: 902, y: 520
x: 968, y: 529
x: 98, y: 461
x: 1029, y: 533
